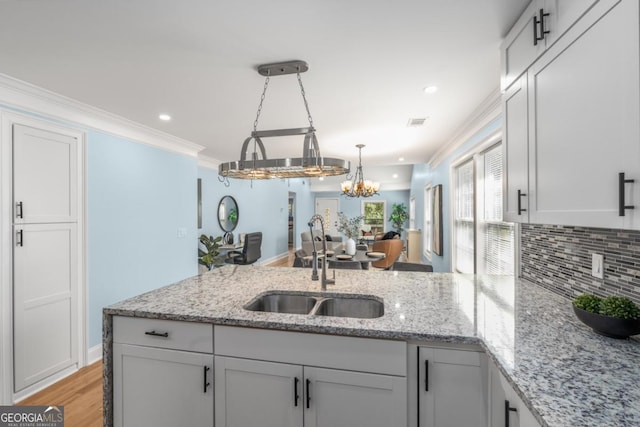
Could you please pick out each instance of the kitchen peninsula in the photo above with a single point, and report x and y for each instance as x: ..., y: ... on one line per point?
x: 564, y: 373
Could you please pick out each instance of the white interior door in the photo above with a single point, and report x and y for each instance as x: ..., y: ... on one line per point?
x: 45, y: 255
x: 328, y: 208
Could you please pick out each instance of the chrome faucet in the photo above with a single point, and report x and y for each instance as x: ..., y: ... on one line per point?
x: 314, y: 275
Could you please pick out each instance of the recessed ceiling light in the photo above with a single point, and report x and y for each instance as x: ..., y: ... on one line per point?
x: 401, y: 159
x: 321, y: 178
x: 164, y: 117
x: 430, y: 89
x: 395, y: 175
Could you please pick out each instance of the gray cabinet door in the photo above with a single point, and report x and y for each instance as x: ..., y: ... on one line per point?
x: 451, y: 387
x: 252, y: 393
x: 155, y: 387
x: 354, y: 399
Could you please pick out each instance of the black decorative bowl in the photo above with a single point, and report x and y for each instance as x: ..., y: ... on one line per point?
x: 612, y: 327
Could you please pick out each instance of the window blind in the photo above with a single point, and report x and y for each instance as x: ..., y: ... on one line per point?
x: 464, y: 218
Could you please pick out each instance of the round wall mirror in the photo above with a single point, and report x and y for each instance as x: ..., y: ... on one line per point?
x: 228, y: 213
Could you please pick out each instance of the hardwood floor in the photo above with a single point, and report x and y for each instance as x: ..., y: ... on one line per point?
x: 81, y: 395
x: 284, y: 262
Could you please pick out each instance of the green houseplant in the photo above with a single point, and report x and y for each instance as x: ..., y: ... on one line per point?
x: 399, y: 216
x: 615, y: 317
x: 210, y: 257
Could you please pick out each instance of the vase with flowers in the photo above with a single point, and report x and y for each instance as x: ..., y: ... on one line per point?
x: 350, y: 227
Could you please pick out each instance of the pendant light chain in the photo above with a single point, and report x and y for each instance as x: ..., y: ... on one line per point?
x: 264, y: 92
x: 304, y: 98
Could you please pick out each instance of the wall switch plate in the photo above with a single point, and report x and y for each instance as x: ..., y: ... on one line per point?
x: 182, y: 233
x: 597, y: 266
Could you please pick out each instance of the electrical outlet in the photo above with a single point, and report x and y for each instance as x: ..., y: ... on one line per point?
x: 597, y: 266
x: 182, y: 233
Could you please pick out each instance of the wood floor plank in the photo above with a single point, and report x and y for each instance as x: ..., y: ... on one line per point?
x: 81, y: 395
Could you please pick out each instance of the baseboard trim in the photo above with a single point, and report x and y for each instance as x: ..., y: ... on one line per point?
x: 273, y: 259
x: 94, y: 354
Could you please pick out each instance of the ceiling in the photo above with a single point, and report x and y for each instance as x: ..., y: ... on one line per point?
x: 196, y: 60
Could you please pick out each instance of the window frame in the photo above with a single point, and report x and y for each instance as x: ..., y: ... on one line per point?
x: 384, y: 213
x: 427, y: 236
x: 475, y: 154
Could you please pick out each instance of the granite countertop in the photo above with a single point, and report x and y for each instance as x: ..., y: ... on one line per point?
x: 565, y: 373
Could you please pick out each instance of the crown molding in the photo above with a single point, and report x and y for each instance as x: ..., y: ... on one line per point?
x: 488, y: 110
x: 21, y: 95
x: 208, y: 162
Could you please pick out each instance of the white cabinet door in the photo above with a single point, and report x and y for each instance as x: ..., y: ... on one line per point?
x: 505, y: 402
x: 251, y: 393
x: 562, y: 15
x: 519, y: 48
x: 337, y: 398
x: 584, y: 130
x: 45, y: 176
x: 451, y: 388
x: 45, y: 301
x: 515, y: 155
x: 154, y: 387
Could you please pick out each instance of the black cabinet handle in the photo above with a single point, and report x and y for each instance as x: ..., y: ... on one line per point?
x: 621, y: 186
x: 206, y: 384
x: 507, y: 409
x: 520, y: 196
x: 19, y: 210
x: 19, y: 238
x: 308, y: 395
x: 542, y: 30
x: 295, y: 391
x: 426, y: 375
x: 539, y: 20
x: 158, y: 334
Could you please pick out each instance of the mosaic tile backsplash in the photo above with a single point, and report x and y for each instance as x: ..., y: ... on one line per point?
x: 558, y: 258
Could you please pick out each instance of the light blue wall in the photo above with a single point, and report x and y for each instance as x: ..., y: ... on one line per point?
x: 423, y: 175
x: 262, y: 206
x: 139, y: 197
x: 353, y: 206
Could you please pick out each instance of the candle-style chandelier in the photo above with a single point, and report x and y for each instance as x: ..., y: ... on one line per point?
x: 357, y: 186
x: 254, y: 164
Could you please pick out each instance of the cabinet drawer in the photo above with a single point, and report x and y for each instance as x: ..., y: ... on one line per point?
x: 163, y: 334
x: 327, y: 351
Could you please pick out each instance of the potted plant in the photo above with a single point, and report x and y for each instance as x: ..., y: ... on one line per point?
x: 615, y: 317
x: 210, y: 257
x: 399, y: 216
x: 351, y: 229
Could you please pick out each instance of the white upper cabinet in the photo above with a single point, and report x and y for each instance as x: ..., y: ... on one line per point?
x: 541, y: 25
x: 571, y: 124
x: 584, y: 105
x: 515, y: 154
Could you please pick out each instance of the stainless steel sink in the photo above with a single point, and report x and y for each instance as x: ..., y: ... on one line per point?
x: 358, y: 306
x: 362, y: 308
x: 283, y: 303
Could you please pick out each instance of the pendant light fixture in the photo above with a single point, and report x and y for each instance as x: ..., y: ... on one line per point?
x: 254, y: 164
x: 357, y: 186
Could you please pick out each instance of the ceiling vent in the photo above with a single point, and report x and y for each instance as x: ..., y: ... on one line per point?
x: 417, y: 122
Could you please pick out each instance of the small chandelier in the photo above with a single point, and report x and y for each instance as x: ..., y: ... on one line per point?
x: 358, y: 186
x: 256, y: 165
